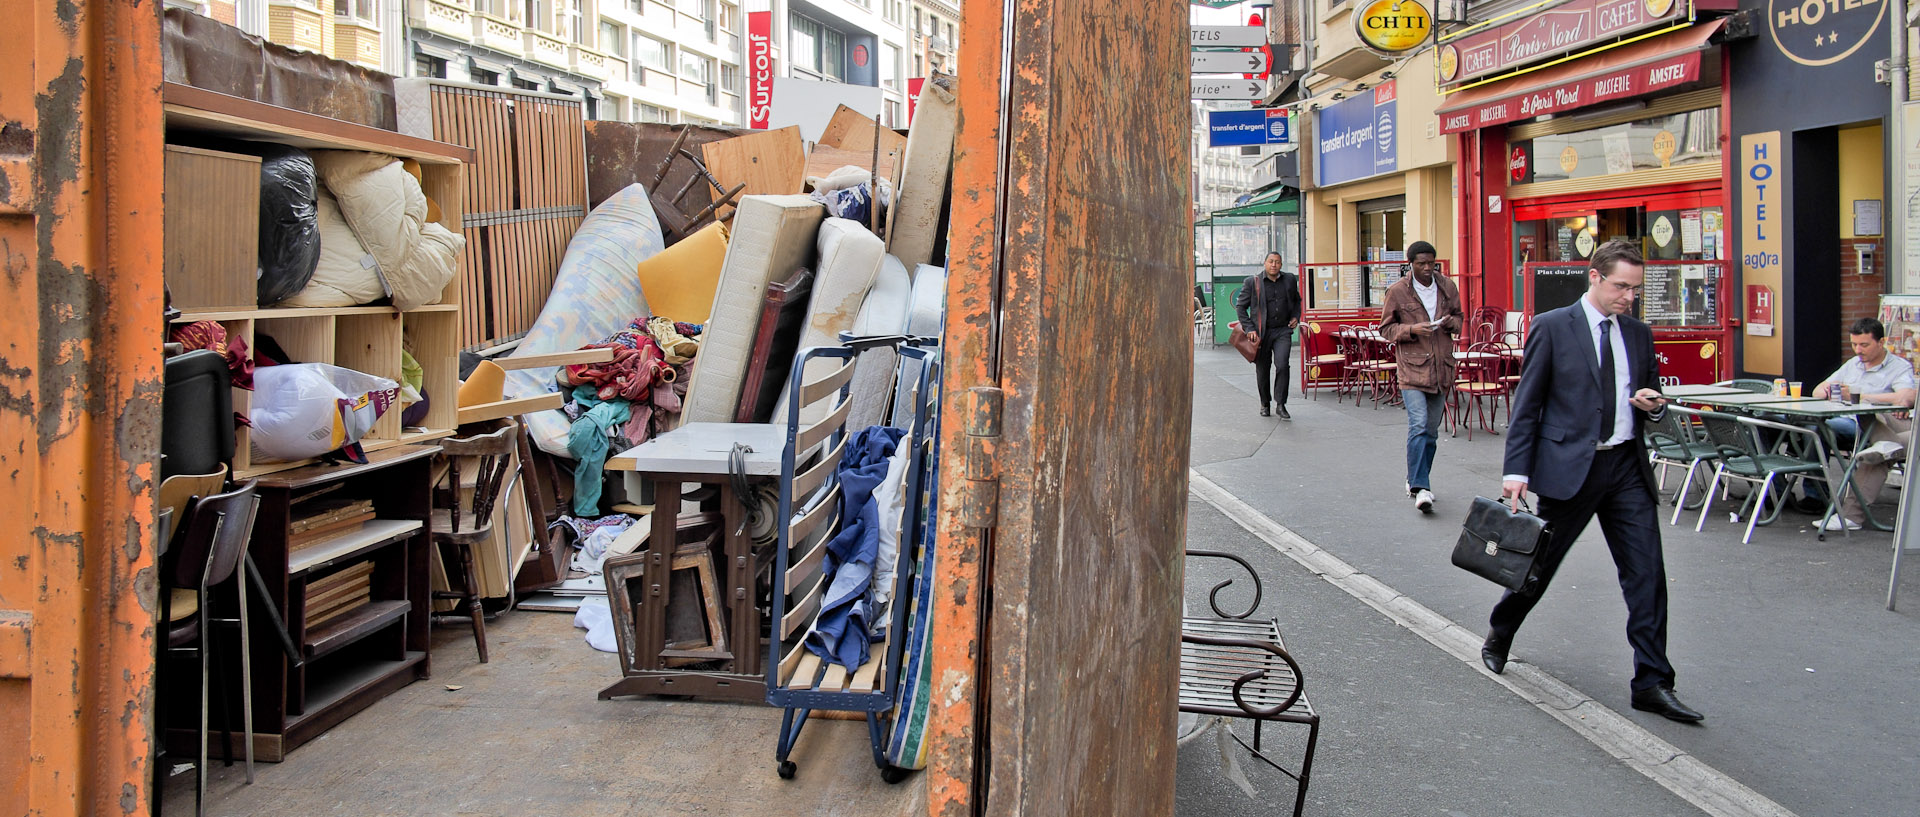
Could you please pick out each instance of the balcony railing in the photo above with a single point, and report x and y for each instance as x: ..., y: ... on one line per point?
x: 448, y: 18
x: 589, y: 63
x: 496, y: 33
x: 546, y: 48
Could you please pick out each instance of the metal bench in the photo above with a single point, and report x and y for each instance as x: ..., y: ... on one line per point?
x: 1233, y: 666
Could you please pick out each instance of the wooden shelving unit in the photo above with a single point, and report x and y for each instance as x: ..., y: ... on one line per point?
x: 363, y: 338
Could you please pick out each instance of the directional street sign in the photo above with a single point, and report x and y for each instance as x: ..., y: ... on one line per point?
x: 1229, y: 36
x: 1229, y: 62
x: 1225, y: 88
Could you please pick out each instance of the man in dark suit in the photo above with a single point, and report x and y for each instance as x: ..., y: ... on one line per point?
x: 1589, y: 380
x: 1272, y: 320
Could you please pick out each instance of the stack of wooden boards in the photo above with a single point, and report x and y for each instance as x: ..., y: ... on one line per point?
x: 324, y: 519
x: 332, y: 596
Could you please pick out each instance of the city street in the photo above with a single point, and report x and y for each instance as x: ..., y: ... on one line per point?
x: 1808, y: 683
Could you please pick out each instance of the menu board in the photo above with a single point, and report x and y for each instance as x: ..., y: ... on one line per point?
x: 1556, y: 285
x: 1680, y: 295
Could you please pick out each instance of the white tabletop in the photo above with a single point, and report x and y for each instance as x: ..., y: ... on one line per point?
x: 703, y: 448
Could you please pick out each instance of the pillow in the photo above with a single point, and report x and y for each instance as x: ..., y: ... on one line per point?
x: 344, y: 276
x: 387, y: 210
x: 679, y: 281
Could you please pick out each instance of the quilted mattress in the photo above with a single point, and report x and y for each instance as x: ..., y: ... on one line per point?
x: 926, y: 318
x: 883, y: 313
x: 595, y: 294
x: 772, y: 236
x: 850, y: 257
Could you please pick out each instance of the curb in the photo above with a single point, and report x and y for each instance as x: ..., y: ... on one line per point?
x: 1707, y: 788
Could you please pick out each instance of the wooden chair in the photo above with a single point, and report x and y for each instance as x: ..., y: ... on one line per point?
x: 462, y: 520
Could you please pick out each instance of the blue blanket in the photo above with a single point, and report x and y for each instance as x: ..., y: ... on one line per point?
x: 841, y: 634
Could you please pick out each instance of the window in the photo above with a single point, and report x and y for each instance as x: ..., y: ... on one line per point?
x: 805, y: 43
x: 890, y: 67
x: 613, y: 40
x: 493, y: 8
x: 525, y: 85
x: 482, y: 76
x: 708, y: 17
x: 532, y: 19
x: 650, y: 53
x: 699, y: 71
x: 610, y: 108
x: 637, y: 6
x: 360, y: 10
x: 425, y: 66
x: 833, y: 55
x: 576, y: 23
x: 730, y: 78
x: 654, y: 113
x: 916, y: 19
x: 890, y: 115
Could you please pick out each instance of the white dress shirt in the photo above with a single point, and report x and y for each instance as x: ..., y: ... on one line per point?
x: 1622, y: 376
x: 1429, y: 297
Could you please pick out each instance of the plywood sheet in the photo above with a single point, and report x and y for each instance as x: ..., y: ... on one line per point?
x: 850, y: 130
x: 769, y: 163
x: 824, y: 160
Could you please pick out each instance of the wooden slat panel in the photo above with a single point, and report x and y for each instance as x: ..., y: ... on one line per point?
x: 802, y: 612
x: 801, y: 570
x: 813, y: 434
x: 807, y: 670
x: 805, y: 484
x: 876, y: 662
x: 811, y: 393
x: 829, y: 506
x: 791, y: 662
x: 835, y: 679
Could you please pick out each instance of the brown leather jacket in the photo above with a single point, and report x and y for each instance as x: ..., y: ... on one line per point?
x: 1426, y: 363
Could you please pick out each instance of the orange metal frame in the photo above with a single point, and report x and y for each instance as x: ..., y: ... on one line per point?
x: 80, y: 234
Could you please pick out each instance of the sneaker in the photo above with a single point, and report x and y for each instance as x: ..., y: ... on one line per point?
x: 1837, y: 522
x: 1410, y: 490
x: 1880, y: 452
x: 1423, y: 500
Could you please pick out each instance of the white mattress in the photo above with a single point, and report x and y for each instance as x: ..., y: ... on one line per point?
x: 850, y: 257
x: 595, y: 294
x: 883, y: 313
x: 914, y: 221
x: 772, y: 236
x: 926, y: 318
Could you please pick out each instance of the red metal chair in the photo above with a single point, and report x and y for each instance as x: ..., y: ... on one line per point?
x: 1481, y: 387
x: 1313, y: 336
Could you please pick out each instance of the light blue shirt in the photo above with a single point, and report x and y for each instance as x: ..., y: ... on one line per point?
x: 1892, y: 375
x: 1622, y: 374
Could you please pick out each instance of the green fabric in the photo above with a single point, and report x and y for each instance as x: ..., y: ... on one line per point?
x: 587, y: 441
x: 1289, y: 206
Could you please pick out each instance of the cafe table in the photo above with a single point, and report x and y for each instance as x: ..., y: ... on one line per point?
x: 1698, y: 390
x: 1818, y: 410
x: 1740, y: 400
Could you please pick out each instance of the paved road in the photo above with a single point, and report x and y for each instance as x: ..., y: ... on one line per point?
x: 1809, y: 684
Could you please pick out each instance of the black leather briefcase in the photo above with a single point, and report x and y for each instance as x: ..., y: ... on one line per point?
x: 1499, y: 544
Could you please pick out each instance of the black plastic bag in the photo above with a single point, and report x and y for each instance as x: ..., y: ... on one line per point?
x: 289, y: 221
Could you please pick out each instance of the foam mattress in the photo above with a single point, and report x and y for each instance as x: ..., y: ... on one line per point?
x: 772, y: 237
x: 926, y: 318
x: 884, y: 312
x: 850, y: 258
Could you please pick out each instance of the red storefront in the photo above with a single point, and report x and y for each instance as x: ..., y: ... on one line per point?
x: 1620, y: 133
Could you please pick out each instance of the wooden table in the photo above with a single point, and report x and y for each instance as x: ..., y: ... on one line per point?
x: 699, y: 452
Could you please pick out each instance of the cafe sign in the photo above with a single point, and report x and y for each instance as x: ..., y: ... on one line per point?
x: 1393, y: 26
x: 1553, y: 32
x: 1604, y: 86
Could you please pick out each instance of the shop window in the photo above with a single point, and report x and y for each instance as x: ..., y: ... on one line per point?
x: 1680, y: 241
x: 1383, y: 243
x: 1676, y: 140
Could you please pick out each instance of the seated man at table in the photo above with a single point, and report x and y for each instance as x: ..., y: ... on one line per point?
x: 1873, y: 376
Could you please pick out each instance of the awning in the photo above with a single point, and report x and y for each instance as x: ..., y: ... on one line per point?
x: 1288, y: 205
x: 1650, y: 65
x: 436, y: 52
x: 490, y: 66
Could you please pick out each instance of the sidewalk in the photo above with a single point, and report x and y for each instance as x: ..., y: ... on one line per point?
x: 1808, y: 683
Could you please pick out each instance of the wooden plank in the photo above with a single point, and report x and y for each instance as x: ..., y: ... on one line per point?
x: 853, y: 131
x: 876, y: 661
x: 813, y: 434
x: 200, y: 109
x: 835, y: 679
x: 812, y: 392
x: 806, y: 671
x: 510, y: 408
x: 769, y: 162
x: 806, y: 483
x: 212, y: 228
x: 800, y: 530
x: 802, y: 611
x: 801, y: 569
x: 825, y: 159
x: 375, y: 534
x: 305, y: 339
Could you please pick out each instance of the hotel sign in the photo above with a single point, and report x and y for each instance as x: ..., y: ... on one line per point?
x: 1620, y: 83
x: 1553, y: 32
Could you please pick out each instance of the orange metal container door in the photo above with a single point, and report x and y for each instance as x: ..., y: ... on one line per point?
x: 1069, y: 293
x: 80, y: 178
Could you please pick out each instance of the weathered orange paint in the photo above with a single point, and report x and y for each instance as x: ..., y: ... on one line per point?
x: 80, y: 233
x: 1068, y: 290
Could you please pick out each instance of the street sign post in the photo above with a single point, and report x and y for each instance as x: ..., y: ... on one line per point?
x: 1261, y: 126
x: 1228, y: 36
x: 1226, y: 88
x: 1229, y: 62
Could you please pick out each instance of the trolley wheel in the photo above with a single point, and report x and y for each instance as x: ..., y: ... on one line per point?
x: 894, y: 774
x: 787, y: 768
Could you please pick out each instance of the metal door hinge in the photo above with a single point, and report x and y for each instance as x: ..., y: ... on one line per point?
x: 980, y: 494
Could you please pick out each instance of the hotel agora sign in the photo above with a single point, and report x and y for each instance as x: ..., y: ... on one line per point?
x: 1393, y: 26
x: 1545, y: 31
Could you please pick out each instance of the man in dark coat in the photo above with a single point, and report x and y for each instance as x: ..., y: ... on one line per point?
x: 1589, y: 382
x: 1272, y: 322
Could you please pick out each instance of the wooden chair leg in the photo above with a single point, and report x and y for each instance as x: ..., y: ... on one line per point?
x: 473, y: 601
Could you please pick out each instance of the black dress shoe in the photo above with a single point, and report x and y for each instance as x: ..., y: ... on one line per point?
x: 1266, y: 412
x: 1661, y: 701
x: 1494, y: 655
x: 1284, y: 415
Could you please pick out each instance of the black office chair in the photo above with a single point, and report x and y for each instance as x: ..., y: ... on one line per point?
x: 196, y: 414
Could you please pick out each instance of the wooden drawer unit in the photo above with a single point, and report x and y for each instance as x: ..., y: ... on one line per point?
x: 212, y: 228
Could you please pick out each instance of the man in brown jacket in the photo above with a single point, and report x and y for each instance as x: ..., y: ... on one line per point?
x: 1421, y: 317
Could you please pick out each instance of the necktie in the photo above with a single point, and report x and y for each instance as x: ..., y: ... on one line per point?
x: 1607, y: 386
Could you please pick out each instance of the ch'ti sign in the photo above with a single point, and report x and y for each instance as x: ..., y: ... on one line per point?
x: 1393, y: 26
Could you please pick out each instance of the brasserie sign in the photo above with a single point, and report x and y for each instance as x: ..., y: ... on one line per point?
x: 1540, y: 35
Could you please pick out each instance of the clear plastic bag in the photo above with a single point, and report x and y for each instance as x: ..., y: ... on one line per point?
x: 304, y: 410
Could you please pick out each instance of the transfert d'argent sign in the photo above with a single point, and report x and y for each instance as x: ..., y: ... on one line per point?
x: 1619, y: 83
x: 1549, y: 33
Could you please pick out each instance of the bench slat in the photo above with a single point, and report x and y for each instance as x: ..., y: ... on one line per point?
x: 835, y: 680
x: 876, y: 660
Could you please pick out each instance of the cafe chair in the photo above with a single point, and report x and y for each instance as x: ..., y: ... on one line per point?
x: 206, y: 555
x: 1673, y: 443
x: 463, y: 503
x: 1311, y: 366
x: 1799, y: 456
x: 1481, y: 386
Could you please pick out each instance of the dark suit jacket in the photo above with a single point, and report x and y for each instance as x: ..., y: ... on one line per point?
x: 1250, y: 313
x: 1556, y: 409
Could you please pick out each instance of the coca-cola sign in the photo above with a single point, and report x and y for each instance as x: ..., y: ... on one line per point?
x: 1543, y: 35
x: 759, y: 68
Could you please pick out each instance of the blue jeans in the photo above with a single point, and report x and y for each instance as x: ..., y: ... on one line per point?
x: 1423, y: 434
x: 1845, y: 431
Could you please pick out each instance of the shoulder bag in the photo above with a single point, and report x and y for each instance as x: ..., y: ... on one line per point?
x: 1244, y: 343
x: 1499, y: 544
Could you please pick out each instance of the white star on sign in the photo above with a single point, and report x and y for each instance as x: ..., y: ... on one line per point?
x: 1817, y: 40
